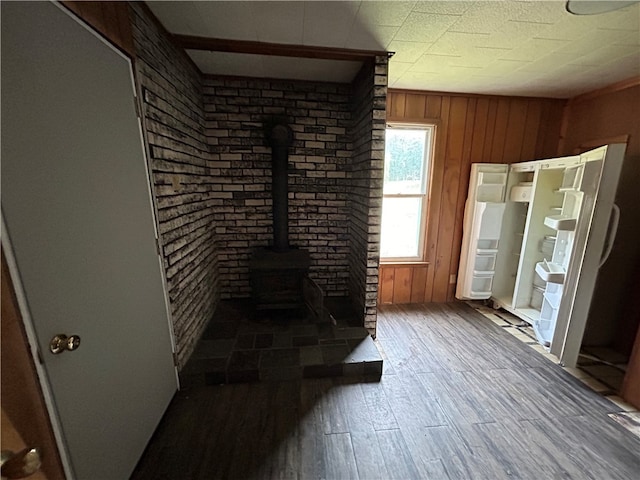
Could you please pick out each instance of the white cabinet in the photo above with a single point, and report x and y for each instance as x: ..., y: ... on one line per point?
x: 538, y: 227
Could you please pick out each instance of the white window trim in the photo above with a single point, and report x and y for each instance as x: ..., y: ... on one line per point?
x: 429, y: 154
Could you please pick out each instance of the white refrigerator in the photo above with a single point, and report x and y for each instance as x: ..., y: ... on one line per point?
x: 535, y: 234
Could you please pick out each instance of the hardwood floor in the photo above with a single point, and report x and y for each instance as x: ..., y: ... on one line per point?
x: 459, y: 398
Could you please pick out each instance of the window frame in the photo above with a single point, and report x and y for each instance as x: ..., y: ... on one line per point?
x: 425, y: 204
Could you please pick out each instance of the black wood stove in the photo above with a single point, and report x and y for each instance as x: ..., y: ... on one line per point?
x: 277, y: 273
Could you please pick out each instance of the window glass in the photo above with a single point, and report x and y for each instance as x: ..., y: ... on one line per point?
x: 404, y: 203
x: 400, y: 234
x: 405, y: 168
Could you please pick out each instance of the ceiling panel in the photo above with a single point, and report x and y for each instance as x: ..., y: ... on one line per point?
x: 413, y: 29
x: 529, y: 47
x: 391, y: 14
x: 328, y: 24
x: 270, y: 66
x: 278, y: 22
x: 221, y: 20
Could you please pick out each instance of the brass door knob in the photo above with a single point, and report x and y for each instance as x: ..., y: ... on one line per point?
x: 61, y: 342
x: 21, y: 464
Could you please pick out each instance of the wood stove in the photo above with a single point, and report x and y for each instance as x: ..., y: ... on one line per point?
x: 277, y: 273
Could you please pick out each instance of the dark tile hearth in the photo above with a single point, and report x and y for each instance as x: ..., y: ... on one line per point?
x: 240, y: 347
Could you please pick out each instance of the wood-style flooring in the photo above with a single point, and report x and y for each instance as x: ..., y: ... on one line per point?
x: 459, y: 398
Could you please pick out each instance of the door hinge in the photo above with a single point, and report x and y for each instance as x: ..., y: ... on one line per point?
x: 137, y: 106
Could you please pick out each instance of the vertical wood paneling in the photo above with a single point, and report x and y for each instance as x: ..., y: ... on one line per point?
x: 465, y: 173
x: 514, y: 137
x: 385, y: 290
x: 470, y: 128
x: 402, y: 285
x: 450, y: 185
x: 490, y: 128
x: 500, y: 131
x: 395, y: 107
x: 111, y: 19
x: 596, y: 118
x: 433, y: 106
x: 418, y: 284
x: 435, y: 194
x: 550, y: 123
x: 414, y: 106
x: 480, y: 130
x: 531, y: 127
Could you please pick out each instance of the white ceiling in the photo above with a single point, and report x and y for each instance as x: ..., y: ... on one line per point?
x: 508, y: 47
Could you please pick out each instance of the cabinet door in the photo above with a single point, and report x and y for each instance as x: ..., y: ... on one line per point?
x: 599, y: 182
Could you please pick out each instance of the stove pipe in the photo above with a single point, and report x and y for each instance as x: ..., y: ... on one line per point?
x: 280, y: 138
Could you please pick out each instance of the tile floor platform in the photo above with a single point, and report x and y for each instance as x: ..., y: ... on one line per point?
x: 239, y: 346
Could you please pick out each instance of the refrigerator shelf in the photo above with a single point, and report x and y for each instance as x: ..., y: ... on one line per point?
x: 486, y: 250
x: 553, y: 299
x: 560, y: 222
x: 550, y: 272
x: 567, y: 190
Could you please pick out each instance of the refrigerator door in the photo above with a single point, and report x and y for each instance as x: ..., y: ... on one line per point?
x: 599, y: 182
x: 481, y: 231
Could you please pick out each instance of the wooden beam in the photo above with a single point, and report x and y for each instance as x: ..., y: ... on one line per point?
x: 615, y: 87
x: 278, y: 49
x: 462, y: 94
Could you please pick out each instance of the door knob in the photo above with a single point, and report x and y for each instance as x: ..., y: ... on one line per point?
x: 21, y: 464
x: 61, y: 342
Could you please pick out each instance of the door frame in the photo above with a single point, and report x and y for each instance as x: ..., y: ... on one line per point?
x: 20, y: 296
x: 34, y: 350
x: 25, y: 407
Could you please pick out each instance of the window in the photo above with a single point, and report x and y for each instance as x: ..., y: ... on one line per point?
x: 404, y: 204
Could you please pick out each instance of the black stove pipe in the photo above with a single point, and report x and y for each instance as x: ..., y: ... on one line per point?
x: 280, y: 137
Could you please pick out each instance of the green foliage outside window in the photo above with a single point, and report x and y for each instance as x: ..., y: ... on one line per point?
x: 404, y: 155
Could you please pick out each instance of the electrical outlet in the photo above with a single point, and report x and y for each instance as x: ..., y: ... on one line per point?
x: 453, y: 278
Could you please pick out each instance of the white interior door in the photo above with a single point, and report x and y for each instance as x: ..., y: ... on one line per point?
x: 599, y: 183
x: 76, y: 202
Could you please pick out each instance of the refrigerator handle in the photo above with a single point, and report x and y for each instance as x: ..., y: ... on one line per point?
x: 613, y: 230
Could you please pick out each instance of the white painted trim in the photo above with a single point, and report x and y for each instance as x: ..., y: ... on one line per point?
x: 154, y: 214
x: 425, y: 196
x: 32, y: 338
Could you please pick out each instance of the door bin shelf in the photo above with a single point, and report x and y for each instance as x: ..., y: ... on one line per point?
x: 550, y: 272
x: 485, y: 262
x: 481, y: 284
x: 560, y: 222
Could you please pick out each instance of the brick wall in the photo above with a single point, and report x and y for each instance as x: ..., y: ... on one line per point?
x: 184, y: 177
x: 319, y: 114
x: 335, y: 177
x: 365, y: 201
x: 211, y: 177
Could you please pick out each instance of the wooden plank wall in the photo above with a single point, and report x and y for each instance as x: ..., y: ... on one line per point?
x: 111, y: 19
x: 594, y: 119
x: 469, y: 129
